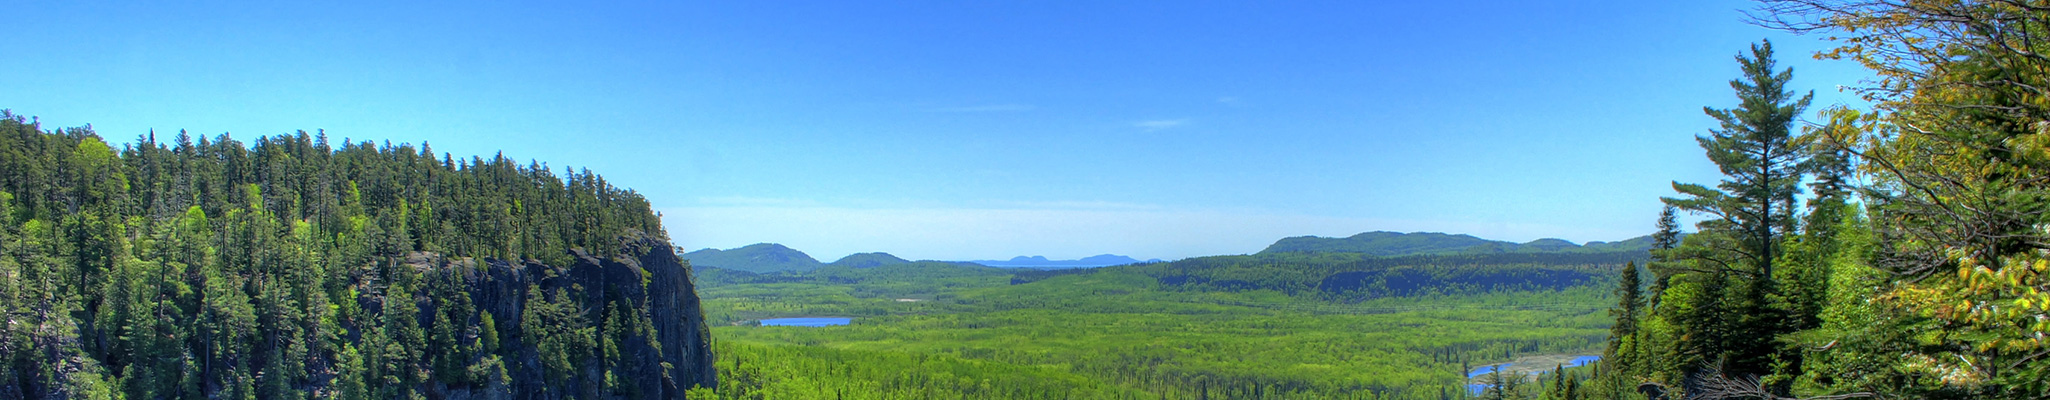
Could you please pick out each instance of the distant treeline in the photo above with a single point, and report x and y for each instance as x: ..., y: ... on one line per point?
x: 917, y: 271
x: 1354, y: 277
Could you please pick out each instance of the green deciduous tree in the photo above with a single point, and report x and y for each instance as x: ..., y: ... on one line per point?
x: 1957, y: 152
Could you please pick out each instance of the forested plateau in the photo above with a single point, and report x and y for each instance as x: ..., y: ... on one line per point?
x: 289, y: 269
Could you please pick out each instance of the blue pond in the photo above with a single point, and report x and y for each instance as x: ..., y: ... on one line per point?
x: 1487, y: 369
x: 811, y: 322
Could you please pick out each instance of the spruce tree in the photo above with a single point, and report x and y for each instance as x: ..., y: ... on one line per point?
x: 1629, y: 304
x: 1572, y: 390
x: 1662, y: 243
x: 1498, y: 388
x: 1557, y: 391
x: 487, y: 332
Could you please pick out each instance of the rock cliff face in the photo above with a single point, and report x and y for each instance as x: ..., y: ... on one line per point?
x: 642, y: 313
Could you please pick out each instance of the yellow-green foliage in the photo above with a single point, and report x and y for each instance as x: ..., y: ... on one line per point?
x: 758, y: 371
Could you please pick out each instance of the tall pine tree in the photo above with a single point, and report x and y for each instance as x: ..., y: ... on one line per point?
x: 1731, y: 257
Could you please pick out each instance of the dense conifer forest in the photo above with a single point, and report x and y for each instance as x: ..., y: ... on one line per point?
x: 287, y: 268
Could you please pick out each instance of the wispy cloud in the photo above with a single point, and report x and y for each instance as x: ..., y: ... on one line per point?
x: 1096, y: 205
x: 1229, y: 101
x: 983, y: 108
x: 1158, y: 124
x: 745, y: 201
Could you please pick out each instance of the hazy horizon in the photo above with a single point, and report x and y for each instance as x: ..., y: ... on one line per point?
x: 830, y: 257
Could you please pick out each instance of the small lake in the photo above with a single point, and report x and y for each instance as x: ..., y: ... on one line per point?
x: 1536, y: 365
x: 808, y: 321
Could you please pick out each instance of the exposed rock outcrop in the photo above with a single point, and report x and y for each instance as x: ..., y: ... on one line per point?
x: 657, y: 351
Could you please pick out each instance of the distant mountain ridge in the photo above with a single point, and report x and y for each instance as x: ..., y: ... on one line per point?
x: 1101, y: 260
x: 1392, y: 244
x: 772, y: 257
x: 759, y: 257
x: 869, y: 260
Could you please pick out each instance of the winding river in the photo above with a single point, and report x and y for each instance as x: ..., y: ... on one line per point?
x: 1524, y: 367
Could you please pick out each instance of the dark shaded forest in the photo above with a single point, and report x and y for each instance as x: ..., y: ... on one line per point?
x: 1352, y: 277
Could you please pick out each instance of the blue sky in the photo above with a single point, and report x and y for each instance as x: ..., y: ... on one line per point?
x: 968, y: 130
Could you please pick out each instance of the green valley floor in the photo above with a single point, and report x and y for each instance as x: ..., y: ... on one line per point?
x: 1120, y: 333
